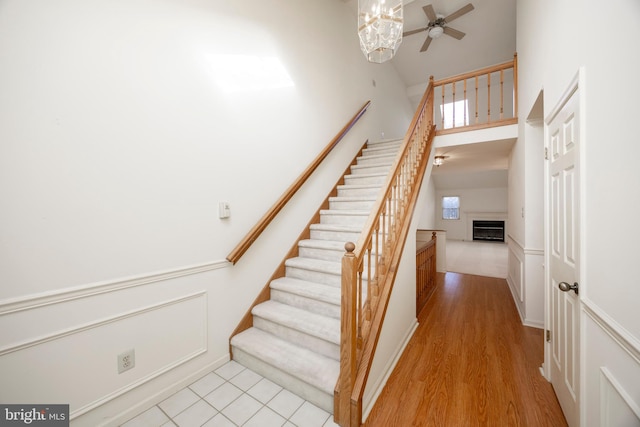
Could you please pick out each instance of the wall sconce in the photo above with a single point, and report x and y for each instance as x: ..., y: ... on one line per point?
x: 437, y: 161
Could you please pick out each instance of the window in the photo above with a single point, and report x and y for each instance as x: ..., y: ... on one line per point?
x: 459, y: 109
x: 451, y: 207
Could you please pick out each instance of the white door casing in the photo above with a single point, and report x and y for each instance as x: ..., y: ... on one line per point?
x: 563, y: 251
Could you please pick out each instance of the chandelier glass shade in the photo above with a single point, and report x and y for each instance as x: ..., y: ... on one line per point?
x: 379, y: 28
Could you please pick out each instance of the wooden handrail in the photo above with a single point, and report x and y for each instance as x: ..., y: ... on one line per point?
x: 266, y: 219
x: 369, y: 267
x: 472, y: 74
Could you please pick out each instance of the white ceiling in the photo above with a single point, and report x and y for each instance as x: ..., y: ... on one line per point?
x: 473, y: 165
x: 490, y: 39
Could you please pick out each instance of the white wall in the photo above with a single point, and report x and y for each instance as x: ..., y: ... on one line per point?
x: 118, y: 141
x: 556, y: 39
x: 472, y: 200
x: 427, y: 219
x: 526, y: 218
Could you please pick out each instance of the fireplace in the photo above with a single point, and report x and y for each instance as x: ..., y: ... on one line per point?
x: 488, y: 230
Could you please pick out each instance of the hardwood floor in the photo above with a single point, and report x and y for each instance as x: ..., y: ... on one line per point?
x: 471, y: 362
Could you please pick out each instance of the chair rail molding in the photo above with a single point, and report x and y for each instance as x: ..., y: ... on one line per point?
x: 31, y: 302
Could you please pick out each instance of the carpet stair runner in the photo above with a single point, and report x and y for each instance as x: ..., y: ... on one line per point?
x: 295, y: 338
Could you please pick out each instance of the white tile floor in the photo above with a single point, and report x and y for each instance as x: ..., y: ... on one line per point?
x: 233, y: 396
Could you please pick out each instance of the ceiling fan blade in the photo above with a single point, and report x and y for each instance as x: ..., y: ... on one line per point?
x: 431, y: 14
x: 408, y: 33
x: 426, y: 44
x: 453, y: 33
x: 457, y: 14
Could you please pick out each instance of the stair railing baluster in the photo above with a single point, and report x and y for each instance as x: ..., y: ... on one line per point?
x: 479, y: 77
x: 387, y: 227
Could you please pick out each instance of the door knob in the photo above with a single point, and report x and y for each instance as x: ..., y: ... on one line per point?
x: 565, y: 287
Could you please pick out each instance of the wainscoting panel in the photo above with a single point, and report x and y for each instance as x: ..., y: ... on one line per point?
x: 84, y: 358
x: 516, y: 273
x: 65, y: 309
x: 617, y: 407
x: 611, y: 370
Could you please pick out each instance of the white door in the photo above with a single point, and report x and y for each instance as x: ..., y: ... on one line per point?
x: 563, y: 249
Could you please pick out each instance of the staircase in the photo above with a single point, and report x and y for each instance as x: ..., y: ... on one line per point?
x: 295, y: 338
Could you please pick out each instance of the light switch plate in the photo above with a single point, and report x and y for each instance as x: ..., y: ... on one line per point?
x: 224, y: 210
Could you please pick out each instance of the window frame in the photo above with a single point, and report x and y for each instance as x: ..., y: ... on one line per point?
x: 457, y: 208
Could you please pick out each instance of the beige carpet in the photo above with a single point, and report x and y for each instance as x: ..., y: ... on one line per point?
x: 479, y: 258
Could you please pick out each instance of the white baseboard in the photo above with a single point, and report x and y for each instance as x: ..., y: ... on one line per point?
x: 155, y: 398
x: 534, y: 323
x: 515, y: 298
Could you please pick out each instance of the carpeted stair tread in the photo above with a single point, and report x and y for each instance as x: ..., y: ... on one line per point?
x: 358, y: 186
x: 332, y: 245
x: 368, y: 175
x: 353, y: 199
x: 330, y: 250
x: 335, y: 227
x: 371, y: 168
x: 380, y: 157
x: 314, y: 264
x: 385, y: 142
x: 304, y: 288
x: 304, y: 321
x: 314, y: 369
x: 388, y: 150
x: 343, y: 212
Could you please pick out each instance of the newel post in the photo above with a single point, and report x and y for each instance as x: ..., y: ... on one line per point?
x: 348, y: 334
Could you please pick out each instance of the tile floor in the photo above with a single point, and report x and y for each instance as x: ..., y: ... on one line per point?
x: 233, y: 396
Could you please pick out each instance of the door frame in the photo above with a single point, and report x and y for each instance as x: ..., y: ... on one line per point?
x: 577, y: 84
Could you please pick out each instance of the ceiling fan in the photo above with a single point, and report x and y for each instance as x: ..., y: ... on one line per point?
x: 438, y: 24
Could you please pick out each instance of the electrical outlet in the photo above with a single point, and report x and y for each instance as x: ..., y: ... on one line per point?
x: 126, y: 360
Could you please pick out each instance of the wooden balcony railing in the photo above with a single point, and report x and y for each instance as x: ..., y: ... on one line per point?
x: 266, y: 219
x: 478, y: 99
x: 369, y: 266
x: 425, y: 272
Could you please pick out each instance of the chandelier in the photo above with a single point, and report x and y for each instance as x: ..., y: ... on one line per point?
x: 379, y: 28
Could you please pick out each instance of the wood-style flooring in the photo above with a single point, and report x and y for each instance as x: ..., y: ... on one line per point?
x: 471, y: 362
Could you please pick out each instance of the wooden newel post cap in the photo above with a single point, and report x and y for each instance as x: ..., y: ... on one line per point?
x: 350, y: 247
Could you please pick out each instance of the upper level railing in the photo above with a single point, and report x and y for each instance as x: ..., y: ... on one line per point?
x: 479, y: 99
x: 369, y: 266
x: 262, y: 224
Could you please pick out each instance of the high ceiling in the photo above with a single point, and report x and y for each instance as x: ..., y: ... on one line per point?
x: 490, y: 39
